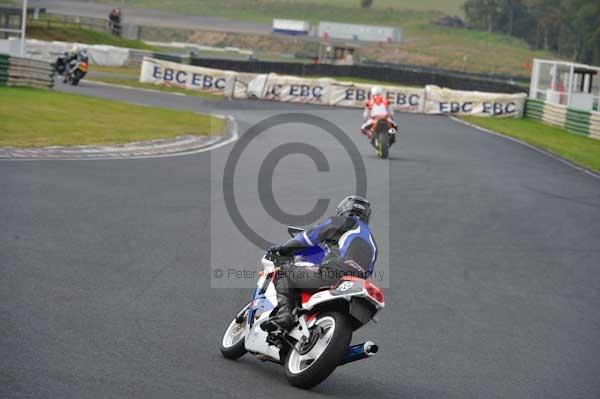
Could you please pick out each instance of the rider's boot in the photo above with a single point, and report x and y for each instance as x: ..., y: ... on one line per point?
x: 283, y: 318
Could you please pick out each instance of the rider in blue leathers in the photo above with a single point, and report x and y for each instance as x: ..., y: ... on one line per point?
x: 352, y: 252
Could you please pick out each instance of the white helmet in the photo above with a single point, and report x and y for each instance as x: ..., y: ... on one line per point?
x: 376, y: 91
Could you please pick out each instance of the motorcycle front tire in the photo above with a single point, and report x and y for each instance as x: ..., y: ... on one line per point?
x: 238, y: 349
x: 77, y: 76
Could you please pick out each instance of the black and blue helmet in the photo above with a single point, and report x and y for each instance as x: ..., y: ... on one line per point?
x: 355, y: 205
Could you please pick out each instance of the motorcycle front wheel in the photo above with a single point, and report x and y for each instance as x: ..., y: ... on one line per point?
x: 311, y: 363
x: 232, y: 344
x: 77, y: 75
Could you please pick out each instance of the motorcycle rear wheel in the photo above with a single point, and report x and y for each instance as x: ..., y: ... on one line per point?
x: 383, y: 144
x: 306, y: 367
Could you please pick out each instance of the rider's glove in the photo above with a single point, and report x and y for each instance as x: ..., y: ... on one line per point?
x: 281, y: 251
x: 275, y: 250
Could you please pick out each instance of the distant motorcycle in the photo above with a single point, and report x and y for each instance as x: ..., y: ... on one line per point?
x: 60, y: 66
x: 77, y: 68
x: 382, y: 135
x: 319, y: 340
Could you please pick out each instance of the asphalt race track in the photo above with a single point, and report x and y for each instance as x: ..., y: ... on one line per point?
x: 494, y: 268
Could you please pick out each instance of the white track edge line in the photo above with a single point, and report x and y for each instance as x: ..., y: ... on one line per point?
x: 100, y: 83
x: 233, y: 136
x: 530, y: 146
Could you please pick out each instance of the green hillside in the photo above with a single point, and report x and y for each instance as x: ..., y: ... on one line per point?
x: 384, y: 12
x: 426, y: 44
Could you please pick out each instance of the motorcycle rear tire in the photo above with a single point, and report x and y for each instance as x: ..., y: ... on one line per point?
x: 383, y: 142
x: 327, y: 362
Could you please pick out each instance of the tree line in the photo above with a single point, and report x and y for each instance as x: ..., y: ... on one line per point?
x: 568, y: 27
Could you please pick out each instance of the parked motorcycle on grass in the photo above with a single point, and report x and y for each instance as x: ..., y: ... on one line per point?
x: 320, y: 336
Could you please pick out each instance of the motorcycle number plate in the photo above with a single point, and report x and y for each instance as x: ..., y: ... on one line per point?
x: 347, y: 287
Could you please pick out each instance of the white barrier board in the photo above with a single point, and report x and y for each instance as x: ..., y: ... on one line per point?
x: 183, y: 76
x: 49, y: 51
x: 327, y: 91
x: 242, y: 86
x: 293, y: 89
x: 405, y: 99
x: 457, y: 102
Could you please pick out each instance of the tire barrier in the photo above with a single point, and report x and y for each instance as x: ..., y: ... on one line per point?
x: 327, y: 91
x: 586, y: 123
x: 595, y: 125
x: 17, y: 71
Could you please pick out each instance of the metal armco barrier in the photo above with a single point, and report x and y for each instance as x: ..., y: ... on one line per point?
x: 586, y: 123
x: 16, y: 71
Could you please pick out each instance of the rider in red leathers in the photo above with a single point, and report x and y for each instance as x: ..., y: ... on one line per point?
x: 376, y: 108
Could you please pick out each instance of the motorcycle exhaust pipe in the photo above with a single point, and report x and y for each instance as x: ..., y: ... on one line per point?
x: 360, y: 351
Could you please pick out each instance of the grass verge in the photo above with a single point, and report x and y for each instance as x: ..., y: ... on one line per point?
x: 39, y: 118
x: 578, y: 149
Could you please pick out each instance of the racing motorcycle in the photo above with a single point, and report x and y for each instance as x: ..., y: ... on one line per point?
x: 382, y: 135
x: 320, y: 336
x: 60, y: 66
x: 77, y: 68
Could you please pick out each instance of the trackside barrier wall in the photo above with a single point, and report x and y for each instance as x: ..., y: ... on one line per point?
x: 99, y: 54
x: 327, y: 91
x: 402, y: 75
x: 17, y: 71
x: 595, y: 125
x: 586, y: 123
x: 446, y: 101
